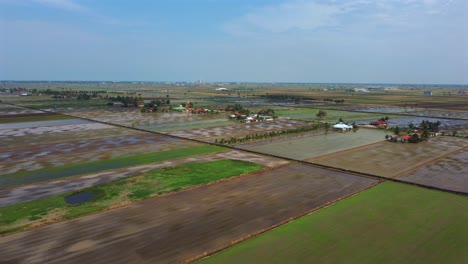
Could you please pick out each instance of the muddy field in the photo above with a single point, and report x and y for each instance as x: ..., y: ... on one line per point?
x: 33, y: 131
x: 317, y: 145
x: 389, y: 159
x: 65, y: 153
x: 409, y: 110
x: 62, y: 137
x: 181, y: 226
x: 446, y: 124
x: 6, y: 109
x: 238, y: 130
x: 450, y: 172
x: 149, y: 121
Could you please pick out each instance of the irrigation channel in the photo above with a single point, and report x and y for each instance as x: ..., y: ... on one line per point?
x: 316, y: 165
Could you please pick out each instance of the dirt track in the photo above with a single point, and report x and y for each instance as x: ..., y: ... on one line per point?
x: 178, y: 227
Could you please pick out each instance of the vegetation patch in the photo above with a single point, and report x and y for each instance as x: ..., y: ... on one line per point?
x: 120, y: 192
x: 390, y: 223
x: 32, y: 118
x: 102, y: 165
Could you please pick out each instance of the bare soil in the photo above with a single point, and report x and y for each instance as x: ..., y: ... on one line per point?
x: 450, y: 173
x: 392, y: 160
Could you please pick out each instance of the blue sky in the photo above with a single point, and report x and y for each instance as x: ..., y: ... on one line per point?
x: 358, y: 41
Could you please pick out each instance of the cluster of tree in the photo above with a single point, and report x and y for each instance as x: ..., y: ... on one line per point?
x: 237, y: 108
x: 267, y: 112
x: 127, y: 101
x: 156, y: 105
x: 266, y: 135
x: 13, y: 90
x: 321, y: 114
x: 418, y: 133
x: 385, y: 118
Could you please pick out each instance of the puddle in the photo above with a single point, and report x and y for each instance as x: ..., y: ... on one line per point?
x: 79, y: 198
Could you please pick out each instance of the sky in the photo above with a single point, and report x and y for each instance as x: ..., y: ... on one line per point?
x: 317, y: 41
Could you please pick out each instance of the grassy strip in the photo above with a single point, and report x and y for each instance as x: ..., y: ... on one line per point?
x: 101, y: 165
x: 33, y: 118
x: 390, y: 223
x: 152, y: 183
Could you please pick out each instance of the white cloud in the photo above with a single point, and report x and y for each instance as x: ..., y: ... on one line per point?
x: 313, y: 15
x: 63, y: 4
x: 295, y: 15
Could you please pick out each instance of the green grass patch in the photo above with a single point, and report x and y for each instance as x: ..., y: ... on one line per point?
x: 152, y: 183
x: 28, y: 177
x: 33, y: 118
x: 390, y: 223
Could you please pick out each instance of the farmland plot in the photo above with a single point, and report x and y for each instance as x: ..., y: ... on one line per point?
x: 66, y: 153
x: 391, y: 160
x: 450, y: 172
x: 317, y: 145
x: 389, y: 223
x: 238, y: 130
x: 175, y: 228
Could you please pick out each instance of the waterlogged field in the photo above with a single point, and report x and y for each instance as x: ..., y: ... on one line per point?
x: 450, y: 172
x: 410, y: 110
x: 332, y: 115
x: 120, y: 192
x: 238, y: 130
x: 6, y: 109
x: 52, y: 173
x: 150, y: 121
x: 389, y: 159
x: 389, y: 223
x: 317, y: 145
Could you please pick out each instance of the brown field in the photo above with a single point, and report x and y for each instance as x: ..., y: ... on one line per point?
x: 181, y: 226
x: 450, y: 172
x: 392, y: 159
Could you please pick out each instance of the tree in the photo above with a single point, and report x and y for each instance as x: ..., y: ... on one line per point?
x: 340, y: 120
x: 396, y: 130
x: 321, y: 114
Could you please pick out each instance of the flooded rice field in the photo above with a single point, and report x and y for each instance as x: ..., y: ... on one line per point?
x: 317, y: 145
x: 43, y: 124
x: 450, y: 172
x: 238, y: 130
x: 33, y: 131
x: 6, y: 109
x: 410, y: 110
x: 62, y: 137
x: 150, y: 121
x: 66, y: 153
x: 405, y: 121
x: 391, y: 160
